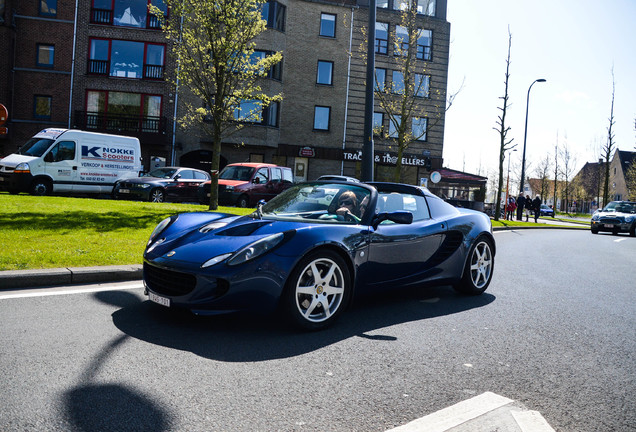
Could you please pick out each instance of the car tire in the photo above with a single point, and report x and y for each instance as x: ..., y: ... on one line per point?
x: 479, y: 267
x: 243, y: 201
x: 157, y: 195
x: 594, y: 231
x: 315, y: 303
x: 41, y: 187
x: 632, y: 232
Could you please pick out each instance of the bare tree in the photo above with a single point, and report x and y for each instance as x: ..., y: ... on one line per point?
x: 568, y: 160
x: 543, y: 174
x: 556, y: 171
x: 609, y: 146
x: 502, y: 129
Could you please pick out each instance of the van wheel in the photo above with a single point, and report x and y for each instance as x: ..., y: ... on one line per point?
x: 157, y: 195
x: 41, y: 187
x: 242, y: 202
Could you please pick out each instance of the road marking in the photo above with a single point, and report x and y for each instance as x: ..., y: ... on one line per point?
x: 455, y: 415
x: 531, y: 421
x: 619, y: 240
x: 44, y: 292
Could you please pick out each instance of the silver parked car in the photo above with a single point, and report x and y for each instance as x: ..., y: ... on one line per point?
x: 615, y: 217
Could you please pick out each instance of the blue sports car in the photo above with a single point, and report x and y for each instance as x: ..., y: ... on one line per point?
x: 315, y: 246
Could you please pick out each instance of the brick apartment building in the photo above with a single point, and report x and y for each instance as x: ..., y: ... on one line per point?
x: 105, y: 67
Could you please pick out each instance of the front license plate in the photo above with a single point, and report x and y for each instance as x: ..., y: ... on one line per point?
x: 609, y: 226
x: 158, y: 299
x: 124, y: 190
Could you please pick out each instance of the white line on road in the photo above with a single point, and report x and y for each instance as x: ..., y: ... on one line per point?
x: 43, y: 292
x: 619, y: 240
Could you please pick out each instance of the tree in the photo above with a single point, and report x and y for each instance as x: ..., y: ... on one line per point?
x: 630, y: 180
x: 412, y: 106
x: 213, y: 42
x: 504, y: 142
x: 556, y: 171
x: 543, y: 174
x: 609, y: 146
x: 568, y: 162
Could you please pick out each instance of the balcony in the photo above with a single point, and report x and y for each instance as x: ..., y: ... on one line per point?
x: 120, y: 124
x: 101, y: 16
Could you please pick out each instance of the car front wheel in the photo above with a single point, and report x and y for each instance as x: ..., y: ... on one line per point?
x: 479, y: 268
x: 157, y: 195
x: 242, y: 202
x: 41, y: 187
x: 318, y: 290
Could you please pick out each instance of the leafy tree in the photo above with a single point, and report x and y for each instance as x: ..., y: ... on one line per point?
x: 213, y: 42
x: 630, y: 179
x: 504, y: 142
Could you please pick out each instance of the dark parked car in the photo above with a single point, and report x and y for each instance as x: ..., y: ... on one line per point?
x: 315, y: 246
x: 546, y: 210
x: 615, y: 217
x: 163, y: 184
x: 245, y: 184
x: 338, y: 178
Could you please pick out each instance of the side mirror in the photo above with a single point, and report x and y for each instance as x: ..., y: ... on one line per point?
x: 399, y: 217
x: 256, y: 180
x: 49, y: 157
x: 177, y: 177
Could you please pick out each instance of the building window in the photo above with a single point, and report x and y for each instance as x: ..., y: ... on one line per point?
x: 274, y: 13
x: 378, y: 123
x: 327, y: 25
x: 398, y: 83
x: 42, y: 107
x: 45, y: 55
x: 276, y: 71
x: 426, y: 7
x: 126, y: 59
x: 48, y: 7
x: 418, y: 128
x: 271, y: 114
x: 382, y: 4
x: 249, y: 111
x: 401, y: 43
x: 380, y: 79
x: 424, y: 41
x: 132, y: 112
x: 321, y: 117
x: 381, y: 38
x: 401, y: 5
x: 422, y: 85
x: 127, y: 13
x: 325, y: 72
x: 394, y: 124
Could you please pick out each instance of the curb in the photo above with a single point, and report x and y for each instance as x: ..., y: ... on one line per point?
x: 12, y: 279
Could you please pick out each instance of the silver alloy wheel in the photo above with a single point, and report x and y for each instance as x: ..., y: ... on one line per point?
x: 156, y: 195
x: 481, y: 265
x: 319, y: 290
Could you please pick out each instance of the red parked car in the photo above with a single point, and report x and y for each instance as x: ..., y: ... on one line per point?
x: 245, y: 184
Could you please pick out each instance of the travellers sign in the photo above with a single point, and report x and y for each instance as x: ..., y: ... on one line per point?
x: 388, y: 158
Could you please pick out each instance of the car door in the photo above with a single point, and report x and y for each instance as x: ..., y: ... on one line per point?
x: 401, y: 254
x: 60, y: 163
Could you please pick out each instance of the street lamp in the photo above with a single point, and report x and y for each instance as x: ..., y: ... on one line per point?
x: 525, y: 134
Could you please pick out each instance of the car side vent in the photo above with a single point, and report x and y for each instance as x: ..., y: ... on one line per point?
x: 452, y: 241
x: 242, y: 230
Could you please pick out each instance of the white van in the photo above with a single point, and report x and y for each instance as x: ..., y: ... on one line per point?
x: 70, y: 161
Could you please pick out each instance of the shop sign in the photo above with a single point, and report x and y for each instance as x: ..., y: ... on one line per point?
x: 387, y: 158
x: 307, y: 152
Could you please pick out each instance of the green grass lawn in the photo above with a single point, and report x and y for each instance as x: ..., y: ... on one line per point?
x: 50, y: 232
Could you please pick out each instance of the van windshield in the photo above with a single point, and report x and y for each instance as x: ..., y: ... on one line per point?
x: 242, y: 173
x: 35, y: 147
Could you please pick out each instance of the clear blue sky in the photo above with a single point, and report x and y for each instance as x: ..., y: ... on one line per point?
x: 573, y: 44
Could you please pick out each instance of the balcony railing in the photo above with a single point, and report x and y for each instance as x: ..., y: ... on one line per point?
x: 133, y: 125
x: 153, y: 71
x: 101, y: 16
x: 99, y: 67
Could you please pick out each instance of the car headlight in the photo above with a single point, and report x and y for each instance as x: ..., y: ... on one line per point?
x: 595, y: 217
x: 22, y: 168
x: 229, y: 188
x: 629, y: 219
x: 217, y: 259
x: 143, y: 186
x: 160, y: 228
x: 256, y: 249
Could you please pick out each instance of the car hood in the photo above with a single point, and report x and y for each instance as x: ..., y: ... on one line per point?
x: 231, y: 182
x: 14, y: 159
x: 212, y: 237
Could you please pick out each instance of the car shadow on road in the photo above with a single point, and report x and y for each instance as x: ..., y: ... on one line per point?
x: 243, y: 337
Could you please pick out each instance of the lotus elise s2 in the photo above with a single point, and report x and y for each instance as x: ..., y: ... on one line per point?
x: 315, y: 246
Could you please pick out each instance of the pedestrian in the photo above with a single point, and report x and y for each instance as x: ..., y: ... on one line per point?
x: 510, y: 208
x: 536, y: 205
x: 528, y: 206
x: 521, y: 201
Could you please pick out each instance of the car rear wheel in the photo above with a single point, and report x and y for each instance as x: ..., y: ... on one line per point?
x: 479, y: 268
x: 157, y: 195
x: 318, y: 290
x: 242, y: 202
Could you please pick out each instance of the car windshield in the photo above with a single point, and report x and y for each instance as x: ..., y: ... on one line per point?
x: 234, y: 172
x: 35, y: 147
x: 625, y: 208
x: 161, y: 173
x: 319, y: 202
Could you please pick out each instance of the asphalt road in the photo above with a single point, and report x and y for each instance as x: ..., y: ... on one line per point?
x: 556, y: 331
